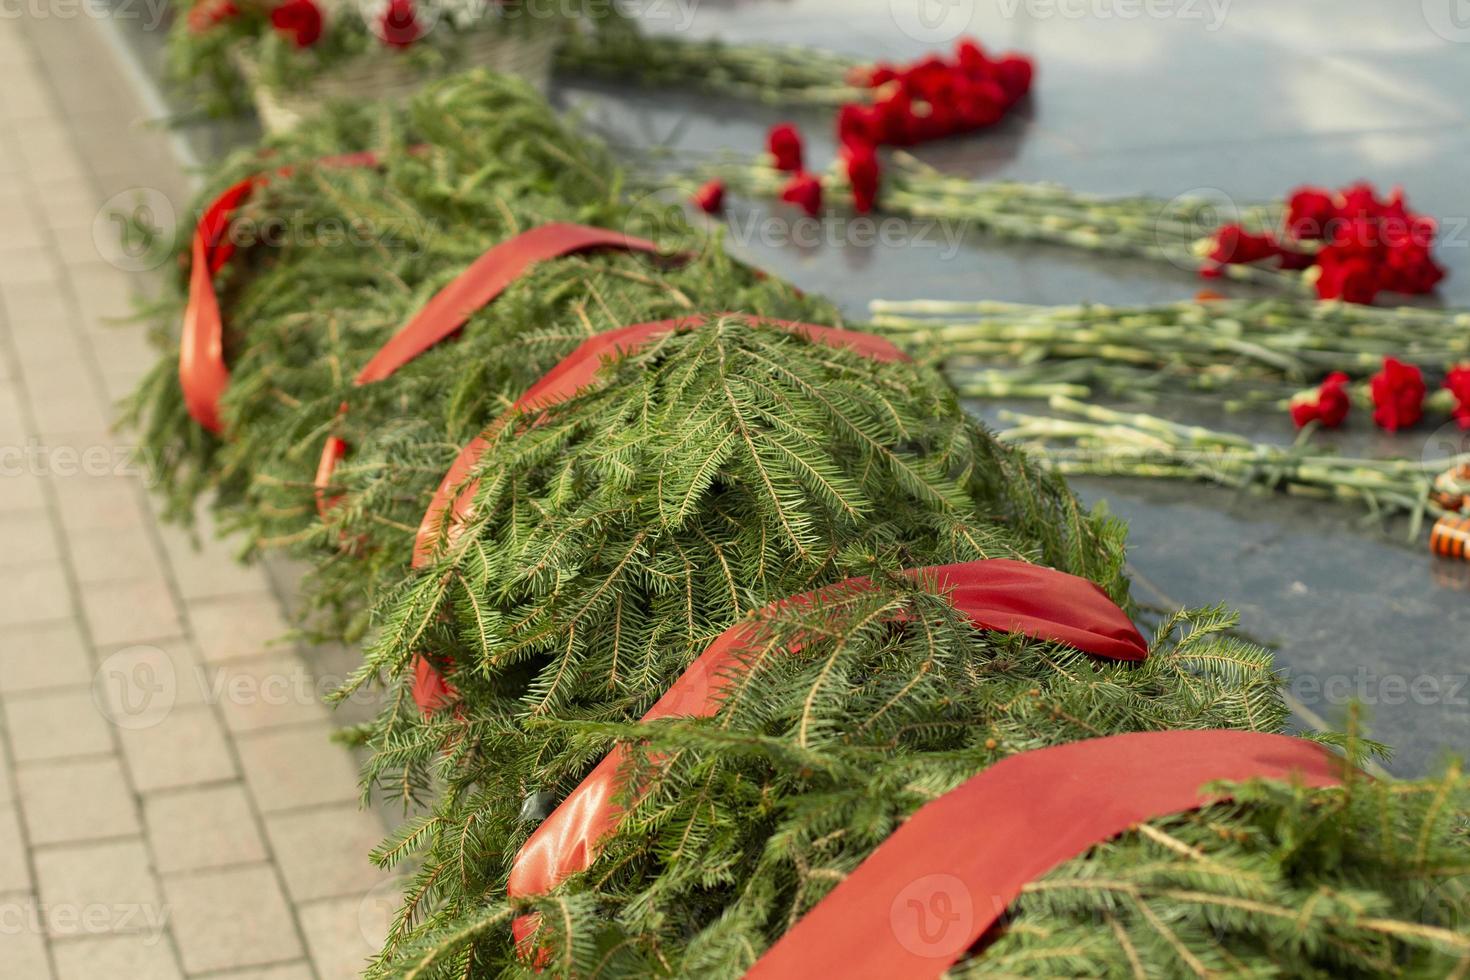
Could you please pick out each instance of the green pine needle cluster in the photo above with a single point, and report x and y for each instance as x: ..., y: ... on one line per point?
x: 347, y: 256
x: 613, y: 536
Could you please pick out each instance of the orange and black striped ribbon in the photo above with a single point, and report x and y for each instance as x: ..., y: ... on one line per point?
x: 1451, y: 537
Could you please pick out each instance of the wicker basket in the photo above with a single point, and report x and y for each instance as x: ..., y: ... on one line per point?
x: 386, y: 77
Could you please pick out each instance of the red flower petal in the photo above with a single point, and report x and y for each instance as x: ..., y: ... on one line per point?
x: 711, y: 197
x: 863, y: 173
x: 1398, y: 395
x: 300, y: 20
x: 805, y: 191
x: 784, y: 143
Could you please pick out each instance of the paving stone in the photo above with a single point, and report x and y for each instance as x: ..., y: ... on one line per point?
x: 120, y: 957
x: 342, y: 935
x: 26, y: 265
x: 209, y: 569
x: 288, y: 768
x: 50, y: 165
x: 20, y: 490
x: 76, y: 801
x: 29, y: 538
x: 113, y: 555
x: 12, y: 424
x: 24, y: 947
x: 138, y: 686
x: 15, y: 872
x: 231, y: 918
x: 90, y: 889
x: 186, y: 748
x: 75, y: 204
x: 22, y: 230
x: 34, y: 658
x: 121, y: 381
x: 203, y: 828
x: 238, y: 626
x: 66, y: 213
x: 286, y: 971
x: 268, y: 692
x: 77, y: 461
x: 121, y: 344
x: 7, y: 773
x: 36, y: 304
x: 75, y: 238
x: 131, y: 612
x: 56, y: 725
x: 34, y: 594
x: 55, y: 414
x: 46, y: 344
x: 323, y: 853
x: 104, y: 295
x: 96, y: 503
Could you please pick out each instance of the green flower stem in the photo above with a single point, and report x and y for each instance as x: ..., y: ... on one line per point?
x: 1212, y: 345
x: 1091, y: 440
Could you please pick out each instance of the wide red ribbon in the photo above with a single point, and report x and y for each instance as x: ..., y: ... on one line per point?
x: 996, y: 594
x: 443, y: 315
x: 203, y: 374
x: 920, y: 901
x: 572, y: 374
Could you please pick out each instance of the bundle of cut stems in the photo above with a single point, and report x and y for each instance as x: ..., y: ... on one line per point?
x: 1178, y: 232
x: 1228, y: 345
x: 1092, y: 440
x: 776, y: 74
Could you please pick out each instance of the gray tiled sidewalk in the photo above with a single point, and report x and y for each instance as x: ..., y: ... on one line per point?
x: 170, y: 804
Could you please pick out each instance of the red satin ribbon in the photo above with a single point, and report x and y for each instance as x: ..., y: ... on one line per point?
x: 479, y: 284
x: 923, y: 898
x: 996, y: 594
x: 575, y: 372
x: 203, y: 375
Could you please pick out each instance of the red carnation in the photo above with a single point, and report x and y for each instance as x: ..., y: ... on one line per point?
x: 711, y: 197
x: 300, y: 20
x: 208, y: 13
x: 971, y: 57
x: 805, y: 191
x: 1014, y: 73
x: 784, y: 143
x: 1360, y: 200
x: 930, y: 98
x: 1309, y: 213
x: 861, y: 161
x: 1346, y: 275
x: 1398, y: 395
x: 1409, y: 268
x: 897, y: 123
x: 399, y: 26
x: 920, y: 77
x: 1233, y: 244
x: 1458, y: 383
x: 1397, y: 229
x: 858, y: 124
x: 1294, y: 261
x: 982, y: 104
x: 871, y: 76
x: 1358, y: 236
x: 1327, y: 406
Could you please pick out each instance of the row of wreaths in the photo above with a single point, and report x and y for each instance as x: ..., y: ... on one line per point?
x: 922, y: 900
